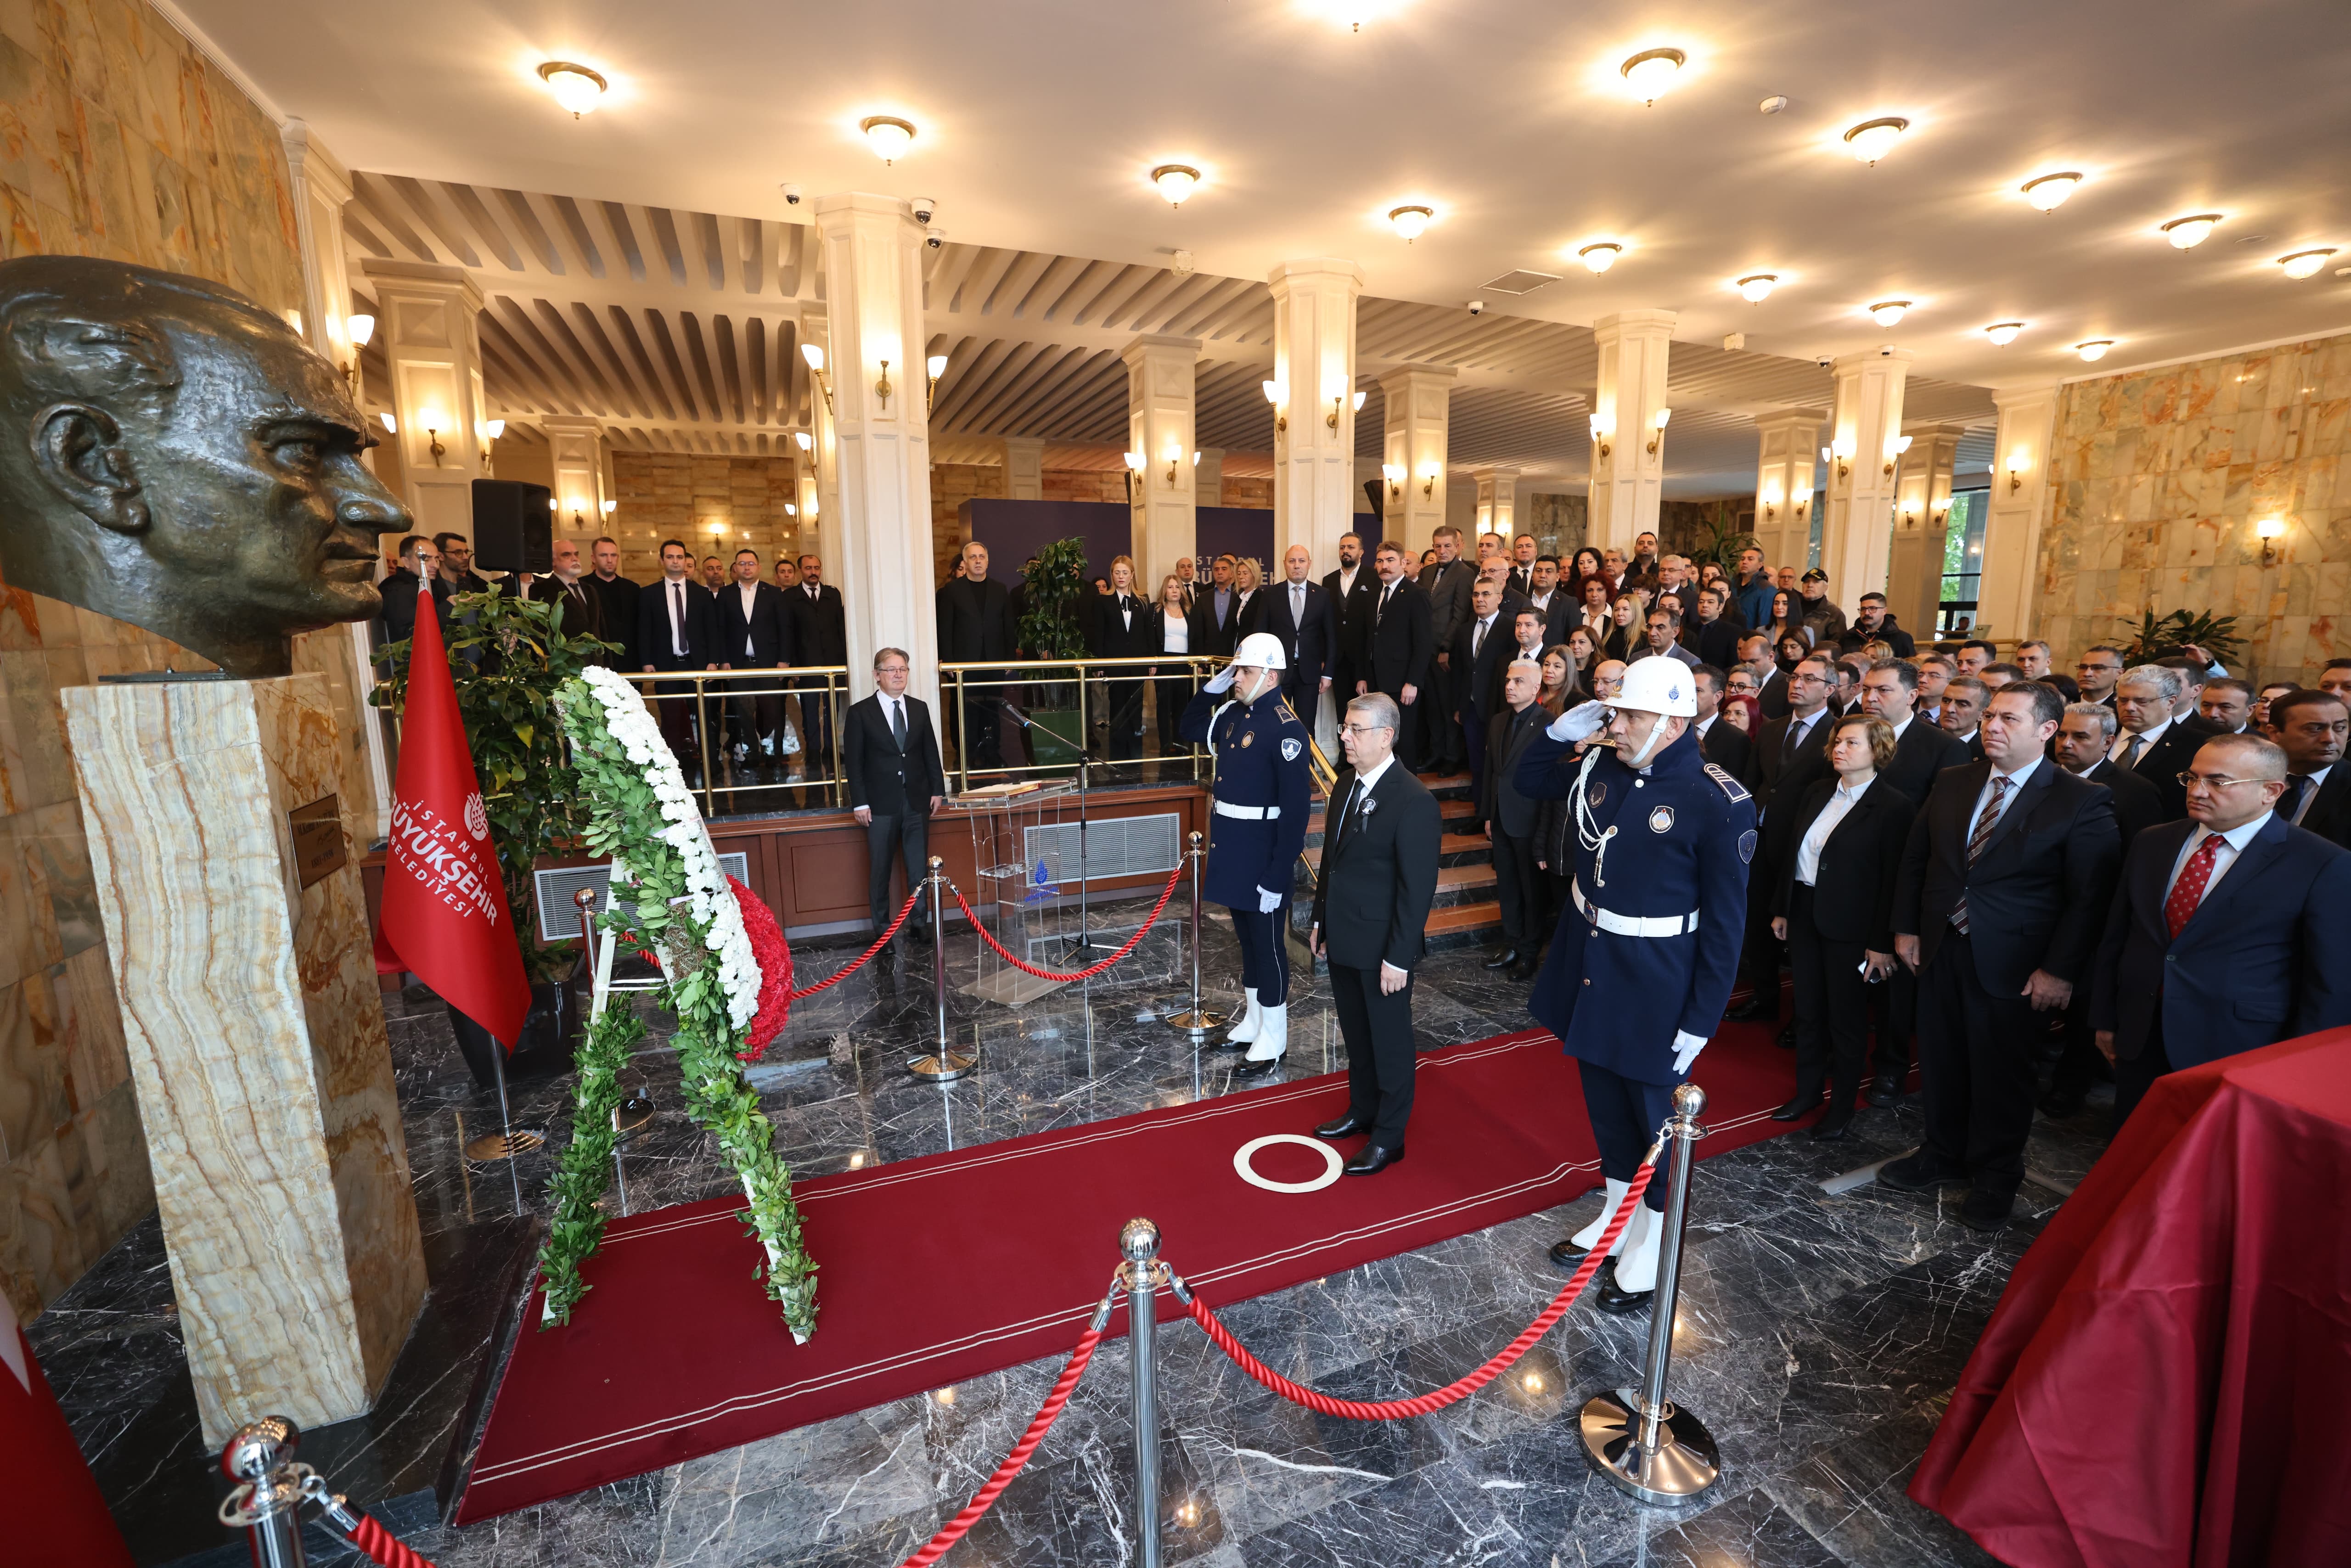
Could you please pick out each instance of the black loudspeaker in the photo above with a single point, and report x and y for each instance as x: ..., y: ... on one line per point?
x: 513, y: 528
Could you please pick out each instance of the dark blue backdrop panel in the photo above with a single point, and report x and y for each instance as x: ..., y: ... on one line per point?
x: 1015, y: 530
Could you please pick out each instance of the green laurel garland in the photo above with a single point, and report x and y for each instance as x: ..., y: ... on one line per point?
x: 625, y: 822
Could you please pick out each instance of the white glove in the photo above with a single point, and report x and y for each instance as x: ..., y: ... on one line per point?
x: 1267, y: 903
x: 1686, y: 1049
x: 1579, y: 723
x: 1222, y: 681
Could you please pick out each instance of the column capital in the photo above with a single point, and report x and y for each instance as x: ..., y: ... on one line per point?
x: 1291, y: 273
x: 1146, y: 344
x: 1635, y: 323
x: 307, y: 158
x: 1407, y: 375
x: 1791, y: 419
x: 569, y: 423
x: 864, y: 205
x: 427, y: 277
x: 1889, y: 357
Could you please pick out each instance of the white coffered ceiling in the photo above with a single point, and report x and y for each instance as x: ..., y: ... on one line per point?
x: 1038, y: 120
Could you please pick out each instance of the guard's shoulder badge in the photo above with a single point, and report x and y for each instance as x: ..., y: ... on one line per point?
x: 1282, y: 706
x: 1732, y: 788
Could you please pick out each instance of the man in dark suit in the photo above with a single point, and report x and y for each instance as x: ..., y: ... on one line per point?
x: 1520, y: 884
x: 1482, y: 650
x: 1771, y: 684
x: 2229, y: 931
x: 2313, y: 726
x: 1888, y: 689
x: 1396, y: 649
x: 1721, y: 743
x: 2226, y: 706
x: 1301, y: 615
x: 1372, y: 898
x: 2033, y: 658
x: 1787, y: 755
x: 975, y: 627
x: 618, y: 597
x: 2153, y: 744
x: 1964, y: 698
x: 1216, y: 614
x: 583, y: 612
x: 1350, y: 592
x: 2003, y: 885
x: 1524, y: 551
x: 1447, y: 580
x: 895, y: 783
x: 418, y: 560
x: 820, y: 637
x: 755, y: 628
x: 1935, y: 672
x: 1712, y: 637
x: 677, y: 628
x: 2100, y: 667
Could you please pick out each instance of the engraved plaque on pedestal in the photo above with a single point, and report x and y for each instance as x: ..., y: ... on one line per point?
x: 240, y: 947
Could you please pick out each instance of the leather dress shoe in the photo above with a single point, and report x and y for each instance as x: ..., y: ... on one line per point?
x: 1834, y: 1128
x: 1522, y: 971
x: 1985, y: 1211
x: 1800, y: 1106
x: 1763, y: 1007
x: 1567, y: 1254
x: 1915, y: 1172
x: 1884, y: 1089
x: 1372, y: 1159
x: 1345, y: 1126
x: 1610, y: 1298
x: 1254, y: 1069
x: 1501, y: 958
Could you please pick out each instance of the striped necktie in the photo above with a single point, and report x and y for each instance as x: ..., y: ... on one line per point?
x: 1986, y: 821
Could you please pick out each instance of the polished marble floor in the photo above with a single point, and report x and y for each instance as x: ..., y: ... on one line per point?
x: 1819, y: 1335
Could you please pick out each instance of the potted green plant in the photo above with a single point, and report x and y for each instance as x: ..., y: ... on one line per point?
x: 507, y: 656
x: 2154, y: 636
x: 1050, y: 628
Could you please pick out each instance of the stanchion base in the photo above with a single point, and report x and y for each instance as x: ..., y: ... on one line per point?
x: 492, y: 1146
x: 1197, y: 1020
x: 632, y: 1114
x: 943, y: 1067
x: 1679, y: 1470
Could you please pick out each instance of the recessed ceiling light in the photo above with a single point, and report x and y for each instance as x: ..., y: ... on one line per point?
x: 1652, y: 71
x: 2003, y: 333
x: 576, y: 88
x: 1757, y: 285
x: 1601, y: 256
x: 1887, y: 312
x: 888, y: 135
x: 1873, y: 139
x: 2186, y: 234
x: 1175, y: 182
x: 1411, y: 222
x: 2304, y: 263
x: 2049, y: 191
x: 2094, y: 349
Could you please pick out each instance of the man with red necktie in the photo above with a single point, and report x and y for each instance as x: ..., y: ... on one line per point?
x: 2229, y: 931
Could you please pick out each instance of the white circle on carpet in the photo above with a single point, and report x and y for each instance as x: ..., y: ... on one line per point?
x: 1247, y: 1152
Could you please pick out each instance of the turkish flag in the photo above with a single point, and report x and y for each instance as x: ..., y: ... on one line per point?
x: 39, y: 1457
x: 444, y: 916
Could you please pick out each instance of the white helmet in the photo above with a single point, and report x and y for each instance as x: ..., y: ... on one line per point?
x: 1659, y: 684
x: 1262, y: 651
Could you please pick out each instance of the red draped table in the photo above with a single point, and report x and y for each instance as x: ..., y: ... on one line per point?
x: 2167, y: 1377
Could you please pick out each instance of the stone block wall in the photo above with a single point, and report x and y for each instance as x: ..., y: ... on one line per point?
x: 717, y: 505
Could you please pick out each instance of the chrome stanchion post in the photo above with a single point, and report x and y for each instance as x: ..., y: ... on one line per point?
x: 1195, y: 1020
x: 1142, y: 1274
x: 267, y: 1500
x: 1652, y: 1449
x: 943, y: 1064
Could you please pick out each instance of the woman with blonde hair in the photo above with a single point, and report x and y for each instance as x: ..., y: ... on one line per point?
x: 1249, y: 610
x: 1628, y: 618
x: 1171, y: 684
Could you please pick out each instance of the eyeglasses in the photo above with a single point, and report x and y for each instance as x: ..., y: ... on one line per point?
x: 2097, y: 669
x: 1360, y: 729
x: 2219, y: 781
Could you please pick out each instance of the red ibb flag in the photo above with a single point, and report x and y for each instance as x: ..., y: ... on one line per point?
x: 444, y: 916
x: 63, y: 1518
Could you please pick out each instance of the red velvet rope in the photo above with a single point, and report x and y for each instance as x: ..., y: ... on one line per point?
x: 879, y: 943
x: 383, y: 1546
x: 986, y: 1498
x: 989, y: 937
x: 1426, y: 1403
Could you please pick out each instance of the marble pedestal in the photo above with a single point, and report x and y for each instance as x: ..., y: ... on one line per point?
x: 257, y: 1038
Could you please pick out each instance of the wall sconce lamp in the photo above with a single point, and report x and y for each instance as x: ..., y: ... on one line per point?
x: 1394, y: 474
x: 815, y: 358
x: 1901, y: 445
x: 1941, y: 513
x: 610, y: 506
x: 1770, y: 504
x: 360, y: 331
x: 1134, y: 460
x: 2270, y: 529
x: 1428, y: 478
x: 1600, y: 433
x: 803, y: 440
x: 489, y: 429
x: 1278, y: 393
x: 1657, y: 429
x: 432, y: 436
x: 1803, y: 507
x: 390, y: 425
x: 1175, y: 459
x: 1841, y: 451
x: 2015, y: 472
x: 937, y: 366
x: 881, y: 387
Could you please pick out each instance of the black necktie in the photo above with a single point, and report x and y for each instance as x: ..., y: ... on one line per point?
x: 1381, y: 613
x: 1789, y: 741
x: 677, y: 619
x: 2297, y: 785
x: 898, y: 723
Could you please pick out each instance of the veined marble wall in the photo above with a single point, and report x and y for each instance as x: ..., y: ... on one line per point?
x: 2160, y: 478
x: 117, y: 139
x: 679, y: 496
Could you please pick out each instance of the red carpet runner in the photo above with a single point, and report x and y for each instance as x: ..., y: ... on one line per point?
x: 945, y: 1268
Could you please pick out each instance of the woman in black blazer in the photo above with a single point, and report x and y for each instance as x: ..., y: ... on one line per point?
x: 1835, y: 860
x: 1125, y: 626
x: 1171, y: 629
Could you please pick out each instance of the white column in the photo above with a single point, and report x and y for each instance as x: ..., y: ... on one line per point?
x: 1024, y: 467
x: 874, y: 272
x: 1786, y: 445
x: 1922, y: 500
x: 1314, y: 366
x: 1497, y: 506
x: 426, y: 319
x: 1160, y: 374
x: 1856, y: 544
x: 1628, y: 483
x: 577, y: 455
x: 2018, y: 509
x: 1208, y: 479
x: 1417, y: 440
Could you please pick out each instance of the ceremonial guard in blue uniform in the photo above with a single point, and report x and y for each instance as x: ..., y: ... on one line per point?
x: 1641, y: 967
x: 1256, y: 828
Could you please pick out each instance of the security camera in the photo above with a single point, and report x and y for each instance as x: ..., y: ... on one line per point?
x: 1824, y: 361
x: 1476, y: 307
x: 936, y: 238
x: 791, y: 196
x: 1885, y: 350
x: 923, y: 207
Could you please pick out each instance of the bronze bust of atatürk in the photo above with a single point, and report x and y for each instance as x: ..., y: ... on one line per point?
x: 173, y: 456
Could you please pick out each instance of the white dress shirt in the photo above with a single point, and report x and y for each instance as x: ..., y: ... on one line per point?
x: 1905, y: 725
x: 1351, y: 817
x: 673, y: 596
x: 750, y: 592
x: 2233, y: 844
x: 1174, y: 631
x: 2317, y: 777
x: 2124, y: 738
x: 1841, y: 801
x: 2016, y: 782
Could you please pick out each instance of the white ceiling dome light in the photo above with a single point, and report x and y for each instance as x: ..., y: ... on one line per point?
x: 576, y: 88
x: 1652, y: 72
x: 1756, y: 287
x: 1887, y: 312
x: 1175, y: 182
x: 1873, y: 139
x: 2094, y: 349
x: 2188, y: 233
x: 1410, y: 220
x: 887, y: 135
x: 2305, y: 262
x: 2003, y: 333
x: 1600, y: 256
x: 2049, y: 191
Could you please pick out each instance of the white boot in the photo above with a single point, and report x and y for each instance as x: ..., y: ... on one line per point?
x: 1273, y: 1035
x: 1245, y: 1030
x: 1588, y: 1238
x: 1636, y: 1263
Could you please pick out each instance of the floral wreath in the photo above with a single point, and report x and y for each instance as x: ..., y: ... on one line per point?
x: 692, y: 918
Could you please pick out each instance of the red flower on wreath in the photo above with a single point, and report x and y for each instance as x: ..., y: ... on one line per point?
x: 774, y: 958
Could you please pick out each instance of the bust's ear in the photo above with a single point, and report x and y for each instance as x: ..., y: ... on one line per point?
x: 79, y: 452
